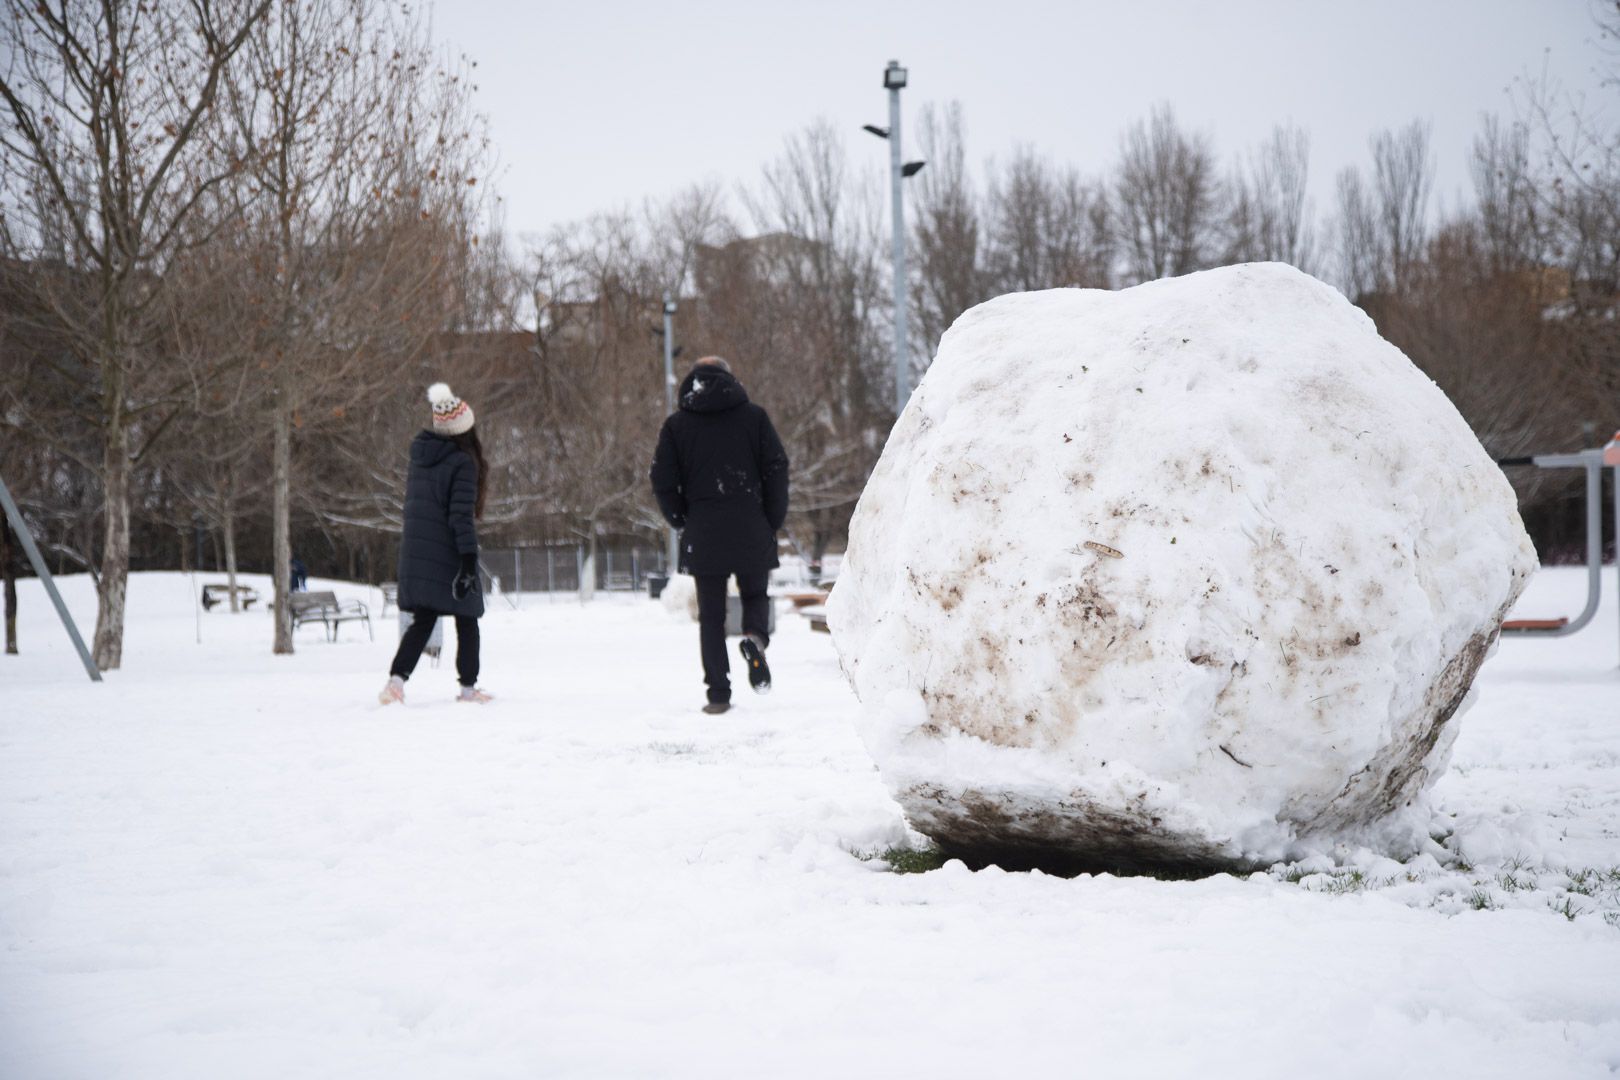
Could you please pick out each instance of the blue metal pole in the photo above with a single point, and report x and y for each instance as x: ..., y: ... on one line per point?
x: 21, y: 529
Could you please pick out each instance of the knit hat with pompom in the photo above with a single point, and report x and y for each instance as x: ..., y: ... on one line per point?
x: 451, y: 415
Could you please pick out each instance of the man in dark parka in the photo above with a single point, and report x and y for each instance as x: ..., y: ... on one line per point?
x: 721, y: 476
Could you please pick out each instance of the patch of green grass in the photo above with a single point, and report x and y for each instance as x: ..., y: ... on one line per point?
x: 913, y: 860
x: 1567, y: 909
x: 1511, y: 882
x: 1480, y: 900
x: 1339, y: 884
x: 1584, y: 882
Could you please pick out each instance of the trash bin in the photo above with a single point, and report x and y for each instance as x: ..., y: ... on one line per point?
x: 655, y: 585
x: 734, y: 616
x: 435, y: 644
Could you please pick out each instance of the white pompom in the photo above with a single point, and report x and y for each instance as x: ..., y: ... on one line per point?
x: 439, y: 393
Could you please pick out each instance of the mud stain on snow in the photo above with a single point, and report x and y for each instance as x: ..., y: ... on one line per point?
x: 1400, y: 770
x: 1070, y: 836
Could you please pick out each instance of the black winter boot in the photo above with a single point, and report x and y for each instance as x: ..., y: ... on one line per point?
x: 759, y: 672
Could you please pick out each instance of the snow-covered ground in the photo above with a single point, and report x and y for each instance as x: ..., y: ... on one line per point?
x: 221, y: 863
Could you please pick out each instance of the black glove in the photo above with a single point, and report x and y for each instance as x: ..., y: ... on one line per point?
x: 466, y: 578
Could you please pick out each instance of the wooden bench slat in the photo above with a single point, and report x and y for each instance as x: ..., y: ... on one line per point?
x: 1535, y: 624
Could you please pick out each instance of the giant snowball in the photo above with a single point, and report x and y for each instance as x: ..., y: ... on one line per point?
x: 1173, y: 576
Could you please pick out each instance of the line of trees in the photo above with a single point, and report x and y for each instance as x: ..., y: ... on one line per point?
x: 241, y: 237
x: 215, y: 213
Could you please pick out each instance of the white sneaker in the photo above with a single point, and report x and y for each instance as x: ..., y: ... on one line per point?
x: 474, y: 695
x: 392, y: 691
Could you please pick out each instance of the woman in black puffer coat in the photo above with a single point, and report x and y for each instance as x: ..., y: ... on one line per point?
x: 438, y: 553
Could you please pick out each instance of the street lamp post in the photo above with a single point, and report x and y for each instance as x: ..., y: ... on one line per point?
x: 894, y: 80
x: 669, y: 408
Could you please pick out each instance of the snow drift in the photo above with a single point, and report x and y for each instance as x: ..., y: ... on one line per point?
x: 1171, y: 576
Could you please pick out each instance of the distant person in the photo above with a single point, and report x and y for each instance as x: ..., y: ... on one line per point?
x: 721, y: 476
x: 438, y: 552
x: 300, y: 575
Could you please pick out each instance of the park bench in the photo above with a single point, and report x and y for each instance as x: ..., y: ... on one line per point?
x: 813, y: 606
x: 326, y: 609
x: 390, y: 591
x: 220, y: 593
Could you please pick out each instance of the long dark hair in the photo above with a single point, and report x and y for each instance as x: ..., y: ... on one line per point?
x: 468, y: 441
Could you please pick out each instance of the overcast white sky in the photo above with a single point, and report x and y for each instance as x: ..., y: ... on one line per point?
x: 599, y: 105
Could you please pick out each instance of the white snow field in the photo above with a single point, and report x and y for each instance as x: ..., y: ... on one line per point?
x: 223, y: 864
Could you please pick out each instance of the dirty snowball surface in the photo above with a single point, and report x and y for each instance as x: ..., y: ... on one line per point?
x: 1173, y: 574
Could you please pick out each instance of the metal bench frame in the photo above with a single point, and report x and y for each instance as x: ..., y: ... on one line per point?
x: 1594, y: 461
x: 329, y: 611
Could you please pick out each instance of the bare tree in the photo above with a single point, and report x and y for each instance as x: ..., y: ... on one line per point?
x: 1575, y: 160
x: 598, y: 391
x: 1403, y: 171
x: 1267, y: 204
x: 1166, y: 198
x: 1505, y: 193
x: 1360, y: 256
x: 104, y: 164
x: 1046, y: 228
x: 947, y: 227
x: 361, y: 150
x: 1382, y: 226
x: 803, y: 309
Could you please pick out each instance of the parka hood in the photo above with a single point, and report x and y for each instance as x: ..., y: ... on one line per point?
x: 708, y: 389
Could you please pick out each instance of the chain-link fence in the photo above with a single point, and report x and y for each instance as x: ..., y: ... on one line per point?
x: 561, y: 567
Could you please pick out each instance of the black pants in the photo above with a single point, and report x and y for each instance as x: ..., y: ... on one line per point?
x: 756, y: 616
x: 415, y: 640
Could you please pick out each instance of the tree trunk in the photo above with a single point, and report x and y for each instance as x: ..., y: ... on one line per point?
x: 114, y: 583
x: 228, y: 519
x: 8, y: 570
x: 280, y: 520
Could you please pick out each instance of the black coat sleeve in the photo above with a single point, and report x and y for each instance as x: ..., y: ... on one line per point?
x: 666, y: 479
x: 461, y: 504
x: 773, y: 473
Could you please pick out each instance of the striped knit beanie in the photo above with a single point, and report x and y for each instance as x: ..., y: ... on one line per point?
x: 451, y: 415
